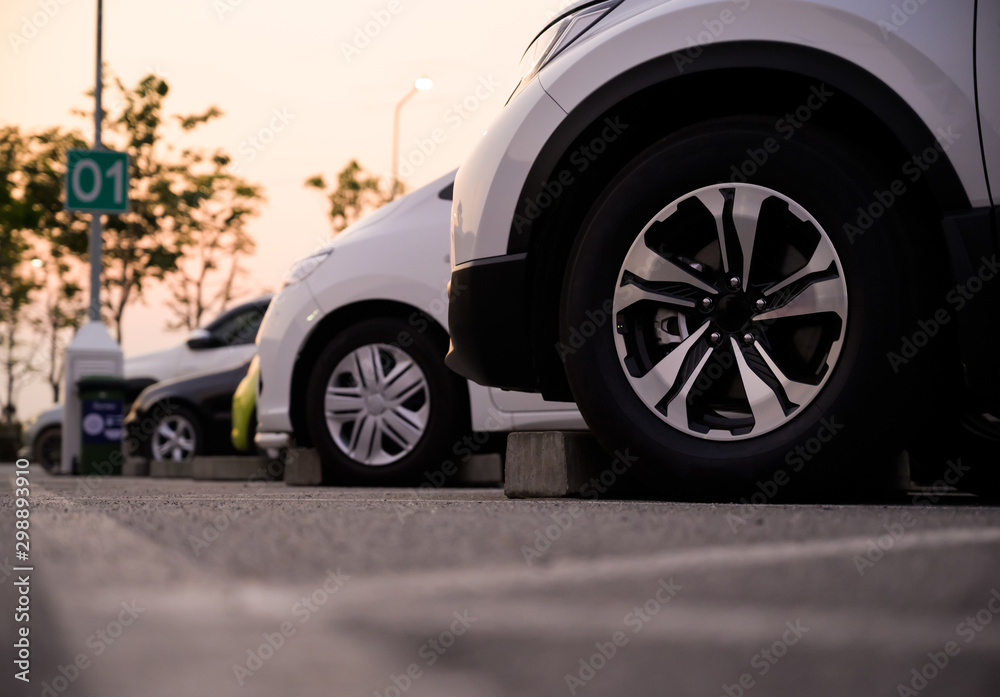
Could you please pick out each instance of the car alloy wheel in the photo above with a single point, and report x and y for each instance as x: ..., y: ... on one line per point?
x: 739, y: 328
x: 175, y: 438
x: 731, y: 307
x: 377, y: 404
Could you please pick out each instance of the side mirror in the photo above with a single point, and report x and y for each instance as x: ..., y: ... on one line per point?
x: 202, y: 339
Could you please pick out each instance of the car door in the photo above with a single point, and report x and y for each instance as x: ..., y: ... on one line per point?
x: 987, y: 60
x: 233, y: 335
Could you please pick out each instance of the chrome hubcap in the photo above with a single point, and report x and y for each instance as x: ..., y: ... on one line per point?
x: 730, y: 312
x: 173, y: 439
x: 377, y: 404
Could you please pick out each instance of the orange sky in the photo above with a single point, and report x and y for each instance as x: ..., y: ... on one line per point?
x: 334, y: 69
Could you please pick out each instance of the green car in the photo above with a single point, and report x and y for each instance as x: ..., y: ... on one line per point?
x: 245, y: 409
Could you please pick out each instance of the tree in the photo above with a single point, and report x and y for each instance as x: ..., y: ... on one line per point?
x: 211, y: 210
x: 16, y: 280
x: 60, y: 240
x: 356, y: 194
x: 179, y: 207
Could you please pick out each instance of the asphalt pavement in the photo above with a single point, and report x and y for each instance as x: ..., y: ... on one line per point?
x: 145, y: 587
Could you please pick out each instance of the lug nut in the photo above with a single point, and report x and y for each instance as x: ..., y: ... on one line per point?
x: 715, y: 337
x: 760, y: 305
x: 748, y: 339
x: 706, y: 304
x: 734, y: 282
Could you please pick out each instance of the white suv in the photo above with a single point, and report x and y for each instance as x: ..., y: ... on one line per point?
x: 749, y: 238
x: 352, y: 356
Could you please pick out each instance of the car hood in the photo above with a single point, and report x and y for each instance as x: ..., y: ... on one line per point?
x: 159, y: 365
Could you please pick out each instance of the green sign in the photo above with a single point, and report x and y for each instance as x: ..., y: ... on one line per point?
x: 97, y: 181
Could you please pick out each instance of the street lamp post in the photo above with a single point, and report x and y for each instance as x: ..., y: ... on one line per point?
x: 419, y: 85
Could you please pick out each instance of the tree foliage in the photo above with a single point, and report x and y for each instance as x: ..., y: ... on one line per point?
x: 356, y: 194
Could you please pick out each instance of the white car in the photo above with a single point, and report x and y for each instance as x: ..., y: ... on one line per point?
x: 352, y: 356
x: 749, y: 238
x: 224, y: 343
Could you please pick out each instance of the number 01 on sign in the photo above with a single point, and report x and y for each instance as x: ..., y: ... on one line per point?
x: 97, y: 181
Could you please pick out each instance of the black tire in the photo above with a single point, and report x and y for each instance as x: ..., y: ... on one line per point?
x: 852, y: 428
x: 48, y: 448
x: 172, y: 416
x: 447, y: 407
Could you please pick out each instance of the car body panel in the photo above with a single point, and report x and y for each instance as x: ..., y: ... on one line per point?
x: 244, y: 403
x: 917, y: 58
x: 401, y: 258
x: 987, y: 60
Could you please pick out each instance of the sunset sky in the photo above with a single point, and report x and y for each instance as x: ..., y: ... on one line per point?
x: 306, y: 60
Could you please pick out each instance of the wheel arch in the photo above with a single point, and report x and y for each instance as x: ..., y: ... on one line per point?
x: 771, y: 80
x: 324, y: 332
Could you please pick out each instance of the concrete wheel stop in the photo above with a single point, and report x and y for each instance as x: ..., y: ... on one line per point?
x: 237, y: 468
x: 556, y: 464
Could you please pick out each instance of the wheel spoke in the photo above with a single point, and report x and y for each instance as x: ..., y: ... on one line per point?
x: 649, y: 266
x: 165, y: 431
x: 797, y: 392
x: 677, y: 408
x: 343, y: 401
x: 362, y: 438
x: 659, y: 381
x: 828, y: 295
x: 629, y: 294
x: 820, y: 261
x: 366, y: 366
x: 399, y: 427
x: 765, y: 404
x: 403, y: 382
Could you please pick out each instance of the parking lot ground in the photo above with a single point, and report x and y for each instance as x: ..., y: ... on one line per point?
x: 177, y: 587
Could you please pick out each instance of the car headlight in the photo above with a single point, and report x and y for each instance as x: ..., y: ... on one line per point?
x: 304, y: 267
x: 558, y: 35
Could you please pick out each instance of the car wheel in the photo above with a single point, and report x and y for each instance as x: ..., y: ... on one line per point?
x: 48, y: 448
x: 724, y: 329
x: 382, y: 407
x: 176, y: 435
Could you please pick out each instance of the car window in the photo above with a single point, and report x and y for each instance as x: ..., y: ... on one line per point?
x: 239, y: 327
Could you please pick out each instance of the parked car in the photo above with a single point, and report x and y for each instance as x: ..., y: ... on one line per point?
x: 736, y: 234
x: 181, y: 418
x: 225, y: 342
x: 245, y: 409
x: 352, y: 355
